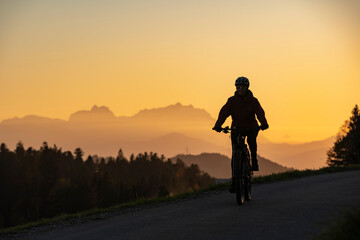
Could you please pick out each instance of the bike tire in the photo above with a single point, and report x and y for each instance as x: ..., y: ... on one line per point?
x: 248, y: 179
x: 239, y: 178
x: 248, y: 189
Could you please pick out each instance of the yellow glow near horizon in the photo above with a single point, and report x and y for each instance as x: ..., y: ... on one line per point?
x: 302, y: 59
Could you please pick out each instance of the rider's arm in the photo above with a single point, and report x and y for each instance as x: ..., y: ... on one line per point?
x: 223, y: 114
x: 260, y: 114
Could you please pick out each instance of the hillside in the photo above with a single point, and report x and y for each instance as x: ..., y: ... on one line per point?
x: 218, y: 165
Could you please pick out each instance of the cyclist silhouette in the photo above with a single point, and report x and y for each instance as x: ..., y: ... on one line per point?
x: 242, y: 107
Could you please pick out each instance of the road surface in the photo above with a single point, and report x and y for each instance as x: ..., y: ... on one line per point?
x: 295, y: 209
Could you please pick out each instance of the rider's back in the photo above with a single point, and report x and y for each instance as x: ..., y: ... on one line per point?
x: 242, y: 110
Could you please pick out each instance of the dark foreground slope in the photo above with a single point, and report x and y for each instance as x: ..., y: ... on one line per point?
x: 281, y: 210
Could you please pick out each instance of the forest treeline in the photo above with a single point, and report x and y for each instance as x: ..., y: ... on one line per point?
x: 43, y: 183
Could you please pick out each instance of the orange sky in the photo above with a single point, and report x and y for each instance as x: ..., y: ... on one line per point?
x: 302, y: 58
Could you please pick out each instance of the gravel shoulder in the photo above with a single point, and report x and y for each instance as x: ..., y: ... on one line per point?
x: 295, y: 209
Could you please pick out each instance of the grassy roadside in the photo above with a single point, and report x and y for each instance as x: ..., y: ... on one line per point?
x: 141, y: 202
x: 302, y: 173
x: 344, y: 227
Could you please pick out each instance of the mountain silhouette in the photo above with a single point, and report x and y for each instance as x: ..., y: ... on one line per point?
x: 97, y: 114
x: 32, y: 119
x: 177, y: 112
x: 300, y: 156
x: 99, y: 131
x: 170, y: 130
x: 173, y: 113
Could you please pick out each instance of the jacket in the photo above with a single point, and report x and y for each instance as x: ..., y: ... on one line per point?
x: 242, y: 110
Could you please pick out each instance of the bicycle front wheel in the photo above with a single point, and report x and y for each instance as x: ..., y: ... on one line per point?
x: 239, y: 178
x: 248, y: 176
x: 247, y: 186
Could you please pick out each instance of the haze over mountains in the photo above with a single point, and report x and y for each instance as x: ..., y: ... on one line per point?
x: 171, y: 130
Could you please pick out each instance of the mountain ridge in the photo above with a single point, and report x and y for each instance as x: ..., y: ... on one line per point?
x: 105, y: 109
x: 94, y: 114
x: 175, y: 109
x: 104, y: 135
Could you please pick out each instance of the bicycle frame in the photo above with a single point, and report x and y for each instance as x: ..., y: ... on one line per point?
x: 241, y: 166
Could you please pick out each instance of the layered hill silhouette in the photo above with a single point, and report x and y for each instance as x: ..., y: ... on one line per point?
x: 177, y: 115
x: 301, y: 156
x: 170, y: 130
x: 218, y: 165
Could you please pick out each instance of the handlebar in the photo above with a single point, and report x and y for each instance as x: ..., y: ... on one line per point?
x: 227, y: 129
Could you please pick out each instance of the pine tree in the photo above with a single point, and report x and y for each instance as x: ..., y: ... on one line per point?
x: 120, y: 155
x: 346, y: 149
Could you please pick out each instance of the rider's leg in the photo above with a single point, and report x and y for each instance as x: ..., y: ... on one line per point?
x: 251, y: 140
x: 233, y: 144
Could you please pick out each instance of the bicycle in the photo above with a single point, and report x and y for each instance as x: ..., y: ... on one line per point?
x: 241, y: 166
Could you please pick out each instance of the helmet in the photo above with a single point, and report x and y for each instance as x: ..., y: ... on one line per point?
x: 242, y: 81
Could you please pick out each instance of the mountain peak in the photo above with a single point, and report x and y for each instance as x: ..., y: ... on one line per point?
x: 96, y: 113
x: 179, y: 105
x: 101, y: 109
x: 176, y: 111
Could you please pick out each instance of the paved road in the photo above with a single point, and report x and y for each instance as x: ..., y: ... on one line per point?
x: 282, y: 210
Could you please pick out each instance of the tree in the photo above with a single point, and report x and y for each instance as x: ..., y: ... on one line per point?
x: 346, y: 149
x: 78, y: 154
x: 120, y: 154
x: 3, y: 148
x: 20, y: 151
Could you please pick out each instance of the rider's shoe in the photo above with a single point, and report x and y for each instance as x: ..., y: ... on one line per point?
x: 255, y: 166
x: 232, y: 186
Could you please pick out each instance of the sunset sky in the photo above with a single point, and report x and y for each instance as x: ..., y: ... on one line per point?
x: 302, y: 58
